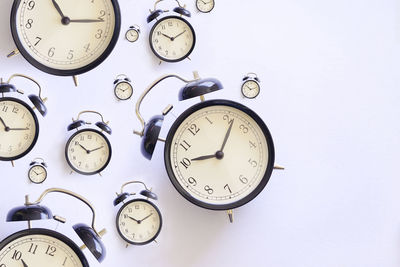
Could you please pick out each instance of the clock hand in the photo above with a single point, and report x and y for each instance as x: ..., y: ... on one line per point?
x: 204, y: 2
x: 23, y: 262
x: 2, y: 122
x: 85, y: 20
x: 249, y: 87
x: 178, y: 35
x: 228, y: 133
x: 204, y: 157
x: 36, y: 173
x: 58, y: 8
x: 167, y: 36
x: 146, y: 217
x: 87, y: 151
x: 95, y: 149
x: 18, y: 129
x: 138, y: 221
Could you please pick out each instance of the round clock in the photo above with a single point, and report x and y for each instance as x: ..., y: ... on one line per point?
x: 19, y: 126
x: 132, y: 35
x: 88, y: 151
x: 123, y: 89
x: 37, y: 173
x: 138, y: 221
x: 65, y: 38
x: 40, y: 247
x: 251, y: 86
x: 219, y: 154
x: 205, y: 6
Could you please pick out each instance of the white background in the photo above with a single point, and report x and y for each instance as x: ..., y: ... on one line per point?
x: 330, y: 96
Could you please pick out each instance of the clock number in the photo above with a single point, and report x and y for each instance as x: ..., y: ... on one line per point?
x: 243, y: 179
x: 252, y: 144
x: 186, y: 162
x: 17, y: 255
x: 70, y: 54
x: 65, y: 261
x: 170, y: 23
x: 209, y: 120
x: 32, y: 248
x: 50, y: 250
x: 5, y: 108
x: 253, y: 163
x: 226, y: 118
x: 226, y: 187
x: 15, y: 110
x: 102, y: 14
x: 87, y: 47
x: 244, y: 129
x: 31, y: 5
x: 209, y: 190
x: 99, y: 34
x: 51, y: 52
x: 185, y: 145
x: 192, y: 181
x: 193, y: 129
x: 29, y: 23
x: 38, y: 41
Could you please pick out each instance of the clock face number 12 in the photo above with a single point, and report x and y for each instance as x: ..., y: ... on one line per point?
x: 219, y: 155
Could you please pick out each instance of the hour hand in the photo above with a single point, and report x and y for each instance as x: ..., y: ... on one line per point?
x: 23, y: 262
x: 58, y: 9
x: 167, y: 36
x: 134, y: 219
x: 87, y: 151
x: 204, y: 157
x: 2, y: 122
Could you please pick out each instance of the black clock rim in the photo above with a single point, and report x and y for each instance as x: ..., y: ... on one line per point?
x: 88, y: 173
x: 29, y: 171
x: 35, y: 138
x: 126, y: 35
x: 253, y: 96
x: 72, y: 72
x: 159, y: 215
x: 115, y: 91
x: 269, y: 167
x: 166, y: 59
x: 50, y: 233
x: 197, y: 6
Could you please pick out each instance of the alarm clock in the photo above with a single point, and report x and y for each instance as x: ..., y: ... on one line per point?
x: 132, y: 34
x: 65, y: 38
x: 88, y: 151
x: 37, y: 173
x: 251, y: 86
x: 19, y: 125
x: 218, y: 154
x: 205, y: 6
x: 172, y: 38
x: 123, y: 89
x: 48, y: 248
x: 138, y: 220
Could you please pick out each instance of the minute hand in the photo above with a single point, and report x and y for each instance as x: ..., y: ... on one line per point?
x: 228, y: 133
x: 86, y: 20
x: 179, y: 34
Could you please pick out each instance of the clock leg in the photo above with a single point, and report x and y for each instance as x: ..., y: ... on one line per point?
x: 277, y: 167
x: 12, y: 163
x: 76, y: 82
x: 230, y: 215
x: 13, y: 53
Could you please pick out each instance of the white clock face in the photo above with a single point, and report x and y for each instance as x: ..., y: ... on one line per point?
x: 218, y: 156
x: 37, y: 174
x: 250, y: 89
x: 139, y: 222
x: 205, y: 6
x: 68, y: 39
x: 18, y: 129
x: 123, y: 90
x: 88, y: 152
x: 132, y: 35
x: 38, y: 250
x: 172, y: 39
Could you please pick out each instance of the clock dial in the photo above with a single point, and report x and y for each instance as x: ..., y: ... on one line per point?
x: 132, y: 35
x: 19, y: 129
x: 37, y: 174
x: 205, y: 6
x: 88, y: 152
x: 250, y: 89
x: 172, y: 39
x: 40, y: 247
x: 139, y: 222
x: 65, y: 37
x: 123, y: 90
x: 219, y: 154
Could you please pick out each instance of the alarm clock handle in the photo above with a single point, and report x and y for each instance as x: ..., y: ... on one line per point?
x: 139, y: 102
x: 132, y: 182
x: 32, y: 80
x: 91, y: 111
x: 70, y: 193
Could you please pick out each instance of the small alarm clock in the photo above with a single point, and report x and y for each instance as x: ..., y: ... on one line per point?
x: 123, y: 89
x: 251, y: 86
x: 37, y: 173
x: 138, y: 220
x: 132, y: 34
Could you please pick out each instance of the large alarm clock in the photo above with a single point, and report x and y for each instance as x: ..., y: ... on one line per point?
x: 65, y: 38
x: 44, y: 247
x: 19, y: 125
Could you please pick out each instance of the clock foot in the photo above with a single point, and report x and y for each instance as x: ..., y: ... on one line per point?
x: 202, y: 98
x: 76, y: 82
x: 13, y: 53
x: 127, y: 245
x: 230, y: 215
x: 12, y: 163
x: 277, y: 167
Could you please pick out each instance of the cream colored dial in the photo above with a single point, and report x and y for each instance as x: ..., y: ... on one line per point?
x: 250, y: 89
x: 65, y: 34
x: 38, y: 250
x: 205, y: 6
x: 139, y: 222
x: 18, y: 129
x: 219, y: 156
x: 132, y: 35
x: 123, y: 90
x: 88, y: 152
x: 37, y: 174
x: 172, y: 39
